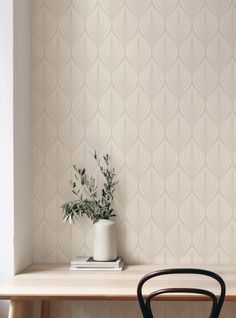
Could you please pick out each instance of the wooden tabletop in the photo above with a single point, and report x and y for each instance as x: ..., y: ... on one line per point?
x: 53, y: 282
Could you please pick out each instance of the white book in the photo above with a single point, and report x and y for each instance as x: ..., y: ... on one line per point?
x: 89, y: 262
x: 80, y: 268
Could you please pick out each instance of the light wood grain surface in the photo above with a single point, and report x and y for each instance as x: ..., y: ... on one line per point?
x: 53, y: 282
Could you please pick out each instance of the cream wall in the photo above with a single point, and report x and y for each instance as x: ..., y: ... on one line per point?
x: 6, y: 142
x: 15, y: 140
x: 153, y: 84
x: 23, y: 218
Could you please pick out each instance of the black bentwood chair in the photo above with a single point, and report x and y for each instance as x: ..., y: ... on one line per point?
x: 145, y: 304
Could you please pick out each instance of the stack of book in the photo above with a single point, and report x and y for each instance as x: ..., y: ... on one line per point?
x: 86, y: 263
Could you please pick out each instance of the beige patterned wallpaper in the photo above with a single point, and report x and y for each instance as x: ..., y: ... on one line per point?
x: 152, y: 82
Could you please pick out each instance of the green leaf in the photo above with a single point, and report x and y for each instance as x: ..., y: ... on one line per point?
x: 91, y: 203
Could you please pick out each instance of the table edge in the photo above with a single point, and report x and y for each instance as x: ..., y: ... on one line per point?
x: 229, y: 298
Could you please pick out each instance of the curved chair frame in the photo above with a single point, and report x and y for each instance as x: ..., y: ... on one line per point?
x: 216, y: 303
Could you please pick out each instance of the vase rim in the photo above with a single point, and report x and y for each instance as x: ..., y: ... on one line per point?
x: 103, y: 222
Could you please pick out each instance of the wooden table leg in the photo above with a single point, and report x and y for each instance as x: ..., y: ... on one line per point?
x: 45, y: 309
x: 28, y: 309
x: 16, y: 309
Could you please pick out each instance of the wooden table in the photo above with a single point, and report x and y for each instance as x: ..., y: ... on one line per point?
x: 57, y: 282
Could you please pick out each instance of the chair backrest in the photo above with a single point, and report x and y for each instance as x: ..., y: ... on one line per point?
x: 145, y: 302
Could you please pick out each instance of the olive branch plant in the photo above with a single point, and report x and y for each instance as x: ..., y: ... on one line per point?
x: 89, y: 201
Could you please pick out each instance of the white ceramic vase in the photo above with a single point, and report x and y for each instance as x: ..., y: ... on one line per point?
x: 104, y: 241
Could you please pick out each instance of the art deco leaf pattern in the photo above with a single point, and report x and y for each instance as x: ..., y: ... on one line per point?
x: 57, y: 7
x: 44, y: 25
x: 227, y: 133
x: 205, y: 240
x: 44, y: 133
x: 57, y: 106
x: 111, y: 53
x: 151, y: 187
x: 97, y: 25
x: 111, y: 106
x: 138, y: 7
x: 51, y: 216
x: 38, y: 213
x: 228, y: 187
x: 63, y: 188
x: 124, y: 79
x: 84, y: 105
x: 205, y: 25
x: 219, y: 160
x: 151, y: 25
x: 124, y: 133
x: 71, y: 133
x: 192, y: 8
x: 192, y: 52
x: 98, y: 133
x: 71, y: 26
x: 44, y: 79
x: 77, y: 236
x: 205, y: 79
x: 178, y: 79
x: 84, y: 7
x: 45, y: 186
x: 36, y: 5
x: 151, y: 239
x: 178, y: 240
x: 219, y: 214
x: 37, y: 51
x: 165, y: 160
x: 178, y: 187
x: 70, y: 79
x: 165, y: 106
x: 227, y: 25
x: 38, y: 159
x: 219, y: 8
x: 138, y: 207
x: 205, y: 187
x: 117, y: 157
x: 124, y: 26
x: 111, y: 8
x: 45, y: 245
x: 138, y: 159
x: 192, y: 106
x: 57, y: 159
x: 192, y: 214
x: 178, y: 133
x: 178, y: 25
x: 165, y: 213
x: 153, y: 84
x: 218, y: 52
x: 38, y: 103
x: 127, y: 186
x: 228, y: 239
x: 165, y: 52
x: 83, y: 157
x: 98, y: 79
x: 138, y: 106
x: 138, y: 53
x: 219, y: 106
x: 84, y: 52
x: 205, y: 133
x: 228, y: 79
x: 192, y: 160
x: 151, y: 133
x: 151, y: 79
